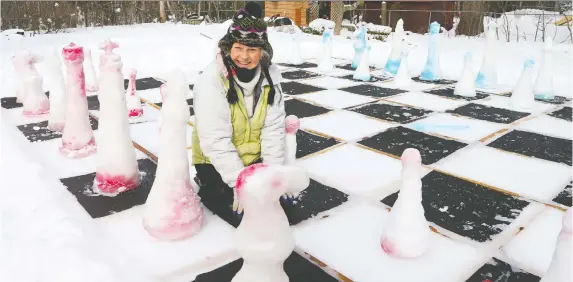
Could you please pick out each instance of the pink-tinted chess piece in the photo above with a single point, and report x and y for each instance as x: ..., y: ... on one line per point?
x: 29, y: 84
x: 135, y: 110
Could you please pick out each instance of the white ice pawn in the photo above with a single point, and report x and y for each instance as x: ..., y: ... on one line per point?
x: 295, y: 58
x: 560, y: 268
x: 407, y: 234
x: 522, y: 96
x: 487, y: 75
x: 24, y: 66
x: 35, y: 101
x: 264, y: 238
x: 403, y: 77
x: 292, y: 124
x: 135, y: 110
x: 77, y: 137
x: 543, y: 86
x: 91, y: 78
x: 325, y: 63
x: 393, y: 63
x: 173, y: 211
x: 57, y: 87
x: 363, y: 70
x: 117, y: 169
x: 466, y: 84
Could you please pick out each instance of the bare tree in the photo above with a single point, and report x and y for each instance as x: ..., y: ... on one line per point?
x: 162, y: 11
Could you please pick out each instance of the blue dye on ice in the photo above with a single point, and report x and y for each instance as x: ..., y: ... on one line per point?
x: 326, y: 36
x: 392, y: 66
x: 359, y: 46
x: 481, y: 81
x: 422, y: 127
x: 430, y: 70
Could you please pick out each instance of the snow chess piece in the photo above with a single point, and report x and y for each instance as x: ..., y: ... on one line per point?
x: 292, y: 124
x: 543, y: 86
x: 117, y: 169
x: 522, y: 96
x: 487, y: 75
x: 407, y: 233
x: 363, y: 70
x: 107, y: 46
x: 403, y: 77
x: 431, y: 70
x: 393, y: 62
x: 24, y: 67
x: 264, y: 238
x: 325, y: 58
x: 173, y: 211
x: 360, y: 44
x: 77, y: 139
x: 560, y: 267
x: 91, y: 78
x: 466, y: 86
x: 29, y: 85
x: 57, y: 87
x: 295, y: 58
x: 135, y: 110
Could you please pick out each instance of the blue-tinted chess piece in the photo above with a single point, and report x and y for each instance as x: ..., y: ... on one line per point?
x: 431, y: 69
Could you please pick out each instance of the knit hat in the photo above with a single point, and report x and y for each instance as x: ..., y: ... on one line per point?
x: 248, y: 29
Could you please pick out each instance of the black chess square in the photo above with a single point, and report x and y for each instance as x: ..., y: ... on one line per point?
x: 99, y: 206
x: 465, y: 208
x: 556, y: 100
x: 372, y: 90
x: 296, y: 88
x: 349, y: 67
x: 10, y: 102
x: 316, y: 198
x: 191, y: 86
x: 144, y: 83
x: 304, y: 65
x: 563, y: 113
x: 298, y: 74
x: 488, y: 113
x: 190, y: 101
x: 93, y: 103
x: 38, y: 132
x: 297, y: 268
x: 397, y: 139
x: 564, y: 197
x: 351, y: 77
x: 448, y: 92
x: 393, y: 113
x: 498, y: 271
x: 535, y: 145
x: 191, y: 111
x: 302, y: 109
x: 308, y: 143
x: 439, y: 81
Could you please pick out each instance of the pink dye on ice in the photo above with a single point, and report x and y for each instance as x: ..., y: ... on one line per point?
x: 72, y: 52
x: 387, y: 246
x: 245, y: 173
x: 135, y: 112
x: 74, y: 55
x: 108, y: 46
x: 276, y: 183
x: 292, y: 124
x: 57, y: 127
x: 132, y: 74
x: 79, y: 151
x: 71, y: 145
x: 42, y: 110
x: 112, y: 184
x: 162, y: 91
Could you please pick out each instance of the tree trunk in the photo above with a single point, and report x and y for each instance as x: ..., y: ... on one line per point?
x: 336, y: 11
x: 162, y: 11
x: 471, y: 23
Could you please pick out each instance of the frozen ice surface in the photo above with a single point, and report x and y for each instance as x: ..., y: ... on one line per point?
x: 330, y: 82
x: 532, y: 249
x: 345, y: 125
x: 349, y: 242
x: 336, y: 99
x: 460, y: 128
x: 549, y: 126
x: 427, y: 101
x: 534, y: 178
x: 503, y: 102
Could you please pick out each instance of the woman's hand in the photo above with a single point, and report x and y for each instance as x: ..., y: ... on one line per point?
x: 237, y: 208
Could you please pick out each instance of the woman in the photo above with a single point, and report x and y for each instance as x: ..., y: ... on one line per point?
x: 239, y: 113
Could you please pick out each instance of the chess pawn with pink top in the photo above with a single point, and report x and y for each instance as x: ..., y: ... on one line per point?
x: 135, y: 111
x: 77, y: 138
x: 173, y: 210
x: 30, y: 82
x: 117, y: 170
x: 560, y: 268
x: 264, y: 238
x: 407, y: 234
x: 91, y: 78
x: 57, y: 87
x: 292, y: 125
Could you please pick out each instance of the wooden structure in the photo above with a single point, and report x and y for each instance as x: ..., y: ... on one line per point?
x: 296, y: 10
x: 417, y: 20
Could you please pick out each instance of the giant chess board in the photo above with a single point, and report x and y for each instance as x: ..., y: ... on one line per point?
x: 495, y: 178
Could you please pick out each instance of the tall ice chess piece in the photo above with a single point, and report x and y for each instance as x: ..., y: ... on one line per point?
x: 560, y: 267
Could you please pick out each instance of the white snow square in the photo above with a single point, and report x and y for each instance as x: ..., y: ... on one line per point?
x: 499, y: 90
x: 349, y: 242
x: 533, y: 247
x: 330, y: 82
x: 48, y: 154
x: 548, y: 125
x: 353, y: 170
x: 149, y: 114
x: 427, y: 101
x: 336, y: 99
x: 460, y: 128
x: 209, y: 248
x: 503, y: 102
x: 335, y: 72
x: 151, y: 95
x: 414, y: 86
x: 345, y: 125
x: 529, y: 177
x: 147, y: 135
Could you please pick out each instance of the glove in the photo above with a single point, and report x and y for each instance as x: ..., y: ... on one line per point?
x: 237, y: 208
x: 288, y: 198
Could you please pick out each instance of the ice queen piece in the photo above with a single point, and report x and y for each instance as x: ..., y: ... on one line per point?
x: 264, y: 238
x: 522, y: 95
x: 173, y: 211
x: 117, y: 169
x: 77, y: 138
x: 543, y: 87
x: 407, y: 233
x: 57, y: 86
x: 135, y: 111
x: 465, y: 86
x: 360, y: 44
x: 560, y: 267
x: 487, y: 75
x: 431, y: 70
x: 393, y: 62
x: 91, y: 78
x: 325, y: 57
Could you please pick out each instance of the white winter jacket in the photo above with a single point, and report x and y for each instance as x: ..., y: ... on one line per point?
x: 214, y: 129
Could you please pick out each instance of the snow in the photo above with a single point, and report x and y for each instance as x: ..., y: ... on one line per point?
x: 548, y: 125
x: 330, y: 82
x: 503, y: 102
x: 319, y: 24
x: 533, y: 178
x: 426, y: 101
x: 532, y: 249
x: 340, y: 239
x: 146, y: 134
x: 332, y: 124
x: 335, y: 99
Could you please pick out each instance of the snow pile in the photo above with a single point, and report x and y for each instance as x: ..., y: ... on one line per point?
x: 530, y: 25
x: 378, y: 28
x: 320, y: 24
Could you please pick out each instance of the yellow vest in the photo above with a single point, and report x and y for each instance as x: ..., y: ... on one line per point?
x: 246, y: 135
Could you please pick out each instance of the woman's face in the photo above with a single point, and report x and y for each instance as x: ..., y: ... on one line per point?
x: 246, y: 57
